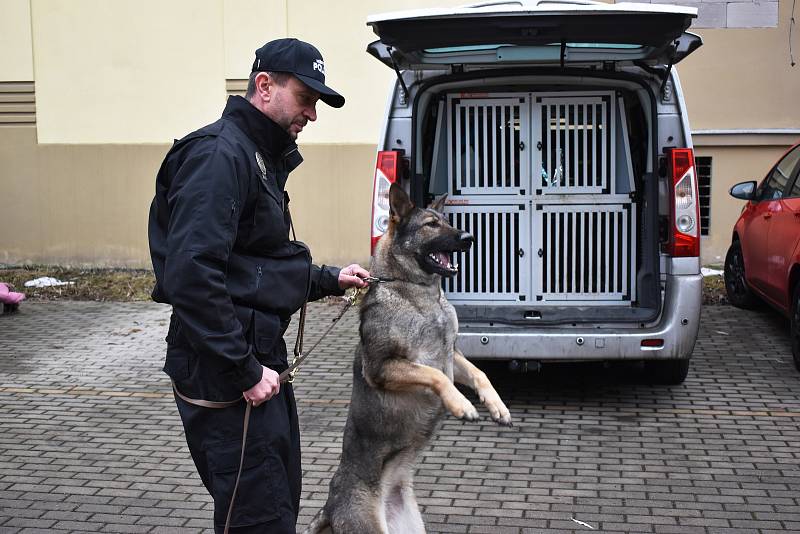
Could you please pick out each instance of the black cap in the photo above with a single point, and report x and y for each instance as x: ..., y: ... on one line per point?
x: 301, y: 59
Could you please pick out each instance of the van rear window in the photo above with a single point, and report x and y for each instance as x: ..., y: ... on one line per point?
x: 481, y: 48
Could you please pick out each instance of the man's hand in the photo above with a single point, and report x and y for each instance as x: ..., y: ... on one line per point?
x: 353, y: 276
x: 264, y: 390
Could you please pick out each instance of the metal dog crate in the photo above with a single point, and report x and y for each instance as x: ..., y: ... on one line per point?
x: 487, y: 145
x: 577, y: 138
x: 493, y: 269
x: 543, y: 181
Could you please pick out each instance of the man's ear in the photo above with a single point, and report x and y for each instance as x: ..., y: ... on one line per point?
x: 264, y: 84
x: 399, y: 203
x: 438, y: 204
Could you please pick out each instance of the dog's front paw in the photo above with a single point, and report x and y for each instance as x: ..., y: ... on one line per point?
x: 496, y: 406
x: 468, y: 413
x: 458, y: 405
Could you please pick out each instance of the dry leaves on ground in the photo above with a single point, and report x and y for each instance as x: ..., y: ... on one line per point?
x: 127, y: 285
x: 120, y: 285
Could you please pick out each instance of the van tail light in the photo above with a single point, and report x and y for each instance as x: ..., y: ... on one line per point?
x: 386, y: 173
x: 685, y: 213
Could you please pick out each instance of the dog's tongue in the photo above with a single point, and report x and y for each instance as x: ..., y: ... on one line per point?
x: 444, y: 258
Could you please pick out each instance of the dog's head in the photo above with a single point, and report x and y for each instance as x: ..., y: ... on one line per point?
x: 422, y: 239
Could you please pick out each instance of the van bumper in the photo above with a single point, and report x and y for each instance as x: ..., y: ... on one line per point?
x: 677, y: 326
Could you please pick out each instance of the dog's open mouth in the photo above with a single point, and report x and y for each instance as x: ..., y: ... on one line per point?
x: 439, y: 263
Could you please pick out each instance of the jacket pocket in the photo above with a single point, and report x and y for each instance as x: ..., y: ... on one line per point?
x: 266, y: 332
x: 233, y: 215
x: 245, y: 316
x: 178, y: 362
x: 231, y: 219
x: 256, y: 500
x: 284, y: 279
x: 269, y: 184
x: 174, y: 336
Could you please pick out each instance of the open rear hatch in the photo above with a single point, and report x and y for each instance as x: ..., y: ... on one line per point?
x: 533, y: 32
x: 563, y: 209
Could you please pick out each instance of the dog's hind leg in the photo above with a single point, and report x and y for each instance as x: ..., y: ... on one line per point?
x: 466, y: 373
x: 402, y: 511
x: 360, y: 512
x: 319, y: 524
x: 399, y: 503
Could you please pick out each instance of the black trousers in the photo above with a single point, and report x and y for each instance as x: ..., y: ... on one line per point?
x: 268, y: 498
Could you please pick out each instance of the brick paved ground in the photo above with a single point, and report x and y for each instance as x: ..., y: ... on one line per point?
x: 91, y: 441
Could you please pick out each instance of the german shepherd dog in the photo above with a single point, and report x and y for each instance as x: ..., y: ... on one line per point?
x: 403, y: 374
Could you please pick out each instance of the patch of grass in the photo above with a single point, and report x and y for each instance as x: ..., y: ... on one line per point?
x: 120, y: 285
x: 130, y: 285
x: 714, y: 290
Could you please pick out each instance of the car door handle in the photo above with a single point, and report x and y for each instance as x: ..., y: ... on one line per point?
x: 797, y: 215
x: 767, y: 215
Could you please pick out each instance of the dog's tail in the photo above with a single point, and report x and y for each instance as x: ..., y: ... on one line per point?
x: 321, y: 524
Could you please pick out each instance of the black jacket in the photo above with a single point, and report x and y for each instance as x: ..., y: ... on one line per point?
x: 219, y: 242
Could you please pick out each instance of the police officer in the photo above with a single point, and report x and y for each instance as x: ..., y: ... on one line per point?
x: 219, y: 240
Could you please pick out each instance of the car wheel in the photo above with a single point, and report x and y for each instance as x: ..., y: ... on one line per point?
x: 794, y: 327
x: 739, y: 293
x: 666, y: 372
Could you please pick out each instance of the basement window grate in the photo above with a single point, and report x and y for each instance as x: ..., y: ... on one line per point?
x: 703, y: 165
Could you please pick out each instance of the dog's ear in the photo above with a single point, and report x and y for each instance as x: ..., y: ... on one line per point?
x: 399, y: 203
x: 438, y: 204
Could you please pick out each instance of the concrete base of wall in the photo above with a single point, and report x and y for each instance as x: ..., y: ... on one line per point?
x: 88, y: 204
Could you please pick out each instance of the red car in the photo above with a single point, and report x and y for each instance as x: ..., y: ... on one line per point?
x: 763, y: 261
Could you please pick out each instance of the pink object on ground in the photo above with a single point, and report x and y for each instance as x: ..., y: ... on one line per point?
x: 10, y: 297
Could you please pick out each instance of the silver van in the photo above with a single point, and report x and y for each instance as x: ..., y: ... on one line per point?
x: 559, y: 132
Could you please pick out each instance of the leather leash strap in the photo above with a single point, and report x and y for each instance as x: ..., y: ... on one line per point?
x: 299, y: 357
x: 219, y: 405
x: 285, y: 376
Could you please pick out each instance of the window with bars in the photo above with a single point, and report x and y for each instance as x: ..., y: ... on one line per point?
x: 703, y: 167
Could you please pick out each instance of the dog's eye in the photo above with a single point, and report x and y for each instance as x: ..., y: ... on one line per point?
x: 433, y: 223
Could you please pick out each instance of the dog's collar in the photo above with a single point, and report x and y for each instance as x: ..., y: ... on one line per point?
x: 376, y: 279
x: 379, y: 280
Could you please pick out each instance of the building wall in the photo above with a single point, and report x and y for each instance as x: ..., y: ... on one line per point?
x: 741, y: 92
x: 16, y: 46
x: 742, y: 78
x: 115, y: 83
x: 741, y: 159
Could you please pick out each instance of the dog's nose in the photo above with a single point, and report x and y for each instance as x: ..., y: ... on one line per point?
x: 465, y: 239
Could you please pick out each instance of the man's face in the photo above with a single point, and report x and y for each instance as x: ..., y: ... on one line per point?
x: 292, y: 105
